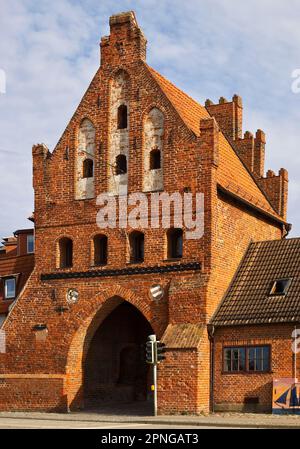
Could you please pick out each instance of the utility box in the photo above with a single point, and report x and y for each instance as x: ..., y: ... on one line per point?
x: 286, y: 396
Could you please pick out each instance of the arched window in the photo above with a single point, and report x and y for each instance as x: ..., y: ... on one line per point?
x: 65, y: 253
x: 121, y: 164
x: 88, y: 168
x: 100, y: 250
x: 122, y: 117
x: 136, y: 247
x: 175, y: 243
x: 155, y: 161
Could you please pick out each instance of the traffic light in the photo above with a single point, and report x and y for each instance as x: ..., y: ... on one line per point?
x: 150, y: 352
x: 160, y: 350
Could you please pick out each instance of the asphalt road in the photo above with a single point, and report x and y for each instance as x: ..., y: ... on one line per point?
x: 23, y: 423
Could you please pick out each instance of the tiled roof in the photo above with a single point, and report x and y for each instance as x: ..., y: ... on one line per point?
x: 232, y: 173
x: 248, y: 300
x: 187, y: 336
x: 10, y: 265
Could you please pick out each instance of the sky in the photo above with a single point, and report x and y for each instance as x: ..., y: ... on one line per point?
x: 49, y: 52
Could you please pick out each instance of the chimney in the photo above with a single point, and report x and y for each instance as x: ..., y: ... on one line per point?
x: 126, y: 42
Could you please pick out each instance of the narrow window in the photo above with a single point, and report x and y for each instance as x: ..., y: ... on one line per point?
x: 100, y: 250
x: 234, y: 359
x: 88, y: 168
x: 10, y: 288
x: 155, y: 162
x: 280, y: 287
x: 175, y: 243
x: 65, y: 253
x: 30, y: 244
x: 137, y: 247
x: 121, y: 164
x: 122, y: 117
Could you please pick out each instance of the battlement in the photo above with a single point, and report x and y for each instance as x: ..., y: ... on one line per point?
x: 250, y: 149
x: 125, y: 42
x: 276, y: 188
x: 229, y: 115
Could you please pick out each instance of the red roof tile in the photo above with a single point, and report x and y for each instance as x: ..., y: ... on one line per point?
x: 232, y: 173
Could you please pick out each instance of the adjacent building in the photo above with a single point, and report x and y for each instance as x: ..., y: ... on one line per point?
x: 16, y: 265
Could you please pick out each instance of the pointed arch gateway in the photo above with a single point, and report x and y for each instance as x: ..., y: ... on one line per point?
x: 106, y: 361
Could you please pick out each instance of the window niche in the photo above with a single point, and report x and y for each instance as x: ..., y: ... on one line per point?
x: 175, y: 243
x: 155, y: 159
x: 65, y: 256
x: 137, y: 242
x: 121, y: 165
x: 100, y: 250
x: 122, y: 117
x: 88, y: 168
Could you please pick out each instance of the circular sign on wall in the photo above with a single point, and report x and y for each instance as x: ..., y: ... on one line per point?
x: 156, y: 292
x: 72, y: 296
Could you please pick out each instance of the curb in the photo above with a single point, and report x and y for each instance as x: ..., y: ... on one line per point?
x: 163, y: 422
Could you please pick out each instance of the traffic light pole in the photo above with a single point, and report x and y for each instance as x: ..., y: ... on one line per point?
x: 152, y: 338
x: 154, y: 355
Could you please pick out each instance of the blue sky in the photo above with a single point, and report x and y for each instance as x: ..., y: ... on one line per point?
x: 209, y: 48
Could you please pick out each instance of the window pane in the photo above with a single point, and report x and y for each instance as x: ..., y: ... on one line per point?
x: 242, y: 362
x: 10, y: 288
x: 227, y: 360
x: 235, y: 359
x: 251, y: 359
x: 266, y: 358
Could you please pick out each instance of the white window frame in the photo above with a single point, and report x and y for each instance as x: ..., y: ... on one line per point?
x: 28, y: 237
x: 5, y: 287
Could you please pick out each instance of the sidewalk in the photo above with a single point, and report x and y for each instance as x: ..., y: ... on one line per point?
x: 216, y: 420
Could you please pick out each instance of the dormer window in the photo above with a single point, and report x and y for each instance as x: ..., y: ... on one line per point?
x: 280, y: 287
x: 122, y: 117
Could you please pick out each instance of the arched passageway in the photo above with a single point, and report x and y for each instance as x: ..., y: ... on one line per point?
x: 114, y: 369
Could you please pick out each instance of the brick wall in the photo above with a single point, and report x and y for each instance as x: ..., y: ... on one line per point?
x: 230, y: 390
x: 190, y: 297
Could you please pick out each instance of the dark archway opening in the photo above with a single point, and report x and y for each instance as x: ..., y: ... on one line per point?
x: 115, y: 370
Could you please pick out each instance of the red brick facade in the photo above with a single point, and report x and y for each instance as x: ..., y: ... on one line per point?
x: 196, y: 155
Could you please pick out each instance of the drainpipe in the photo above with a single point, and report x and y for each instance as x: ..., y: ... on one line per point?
x: 211, y: 333
x: 295, y: 358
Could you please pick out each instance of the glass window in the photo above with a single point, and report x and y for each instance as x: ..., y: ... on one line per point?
x: 30, y: 244
x: 247, y: 359
x: 234, y: 359
x: 280, y: 287
x: 10, y: 288
x: 259, y: 358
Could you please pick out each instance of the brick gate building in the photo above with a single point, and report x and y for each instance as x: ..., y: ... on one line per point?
x: 134, y: 131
